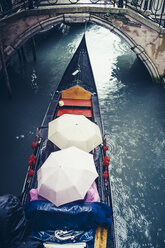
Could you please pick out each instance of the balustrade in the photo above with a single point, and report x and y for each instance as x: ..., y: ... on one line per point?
x: 153, y: 9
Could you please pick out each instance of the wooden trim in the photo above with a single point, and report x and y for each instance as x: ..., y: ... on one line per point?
x: 101, y: 237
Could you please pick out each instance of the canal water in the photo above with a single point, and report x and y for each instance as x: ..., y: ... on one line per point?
x: 133, y: 110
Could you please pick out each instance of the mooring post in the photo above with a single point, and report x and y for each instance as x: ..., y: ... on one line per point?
x: 23, y: 54
x: 19, y: 55
x: 34, y: 49
x: 4, y: 69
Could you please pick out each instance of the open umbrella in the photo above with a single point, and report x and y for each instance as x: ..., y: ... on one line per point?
x: 74, y: 130
x: 66, y: 175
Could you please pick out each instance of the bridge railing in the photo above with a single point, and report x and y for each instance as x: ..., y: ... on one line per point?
x: 151, y: 9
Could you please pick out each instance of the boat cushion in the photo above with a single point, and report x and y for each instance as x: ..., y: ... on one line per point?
x: 85, y: 112
x: 76, y: 102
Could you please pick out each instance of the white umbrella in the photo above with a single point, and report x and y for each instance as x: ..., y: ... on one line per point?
x: 66, y: 175
x: 74, y: 130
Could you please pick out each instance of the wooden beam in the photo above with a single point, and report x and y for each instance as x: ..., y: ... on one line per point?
x: 4, y: 69
x: 101, y: 237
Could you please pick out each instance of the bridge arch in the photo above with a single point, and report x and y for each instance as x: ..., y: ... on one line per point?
x: 139, y: 51
x: 48, y: 22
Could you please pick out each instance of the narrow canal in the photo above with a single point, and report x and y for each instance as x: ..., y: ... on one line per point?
x: 133, y: 110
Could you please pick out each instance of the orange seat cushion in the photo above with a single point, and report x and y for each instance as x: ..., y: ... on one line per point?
x: 85, y: 112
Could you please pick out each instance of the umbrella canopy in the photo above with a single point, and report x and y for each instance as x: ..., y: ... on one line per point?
x: 74, y: 130
x: 66, y: 175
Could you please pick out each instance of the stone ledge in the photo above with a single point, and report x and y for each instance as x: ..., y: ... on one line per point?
x: 95, y: 8
x: 76, y: 18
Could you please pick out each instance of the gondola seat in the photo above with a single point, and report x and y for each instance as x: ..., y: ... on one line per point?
x: 76, y: 102
x: 75, y: 111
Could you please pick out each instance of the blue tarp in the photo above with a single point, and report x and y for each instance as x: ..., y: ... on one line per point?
x: 80, y: 219
x: 44, y: 215
x: 60, y: 236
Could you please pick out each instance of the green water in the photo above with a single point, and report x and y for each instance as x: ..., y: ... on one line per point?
x: 133, y: 110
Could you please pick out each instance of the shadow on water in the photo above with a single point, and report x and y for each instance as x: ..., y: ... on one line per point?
x: 128, y: 71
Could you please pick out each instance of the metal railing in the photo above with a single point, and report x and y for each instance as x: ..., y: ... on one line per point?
x: 150, y: 9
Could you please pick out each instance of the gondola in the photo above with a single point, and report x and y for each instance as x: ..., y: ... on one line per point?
x: 76, y: 94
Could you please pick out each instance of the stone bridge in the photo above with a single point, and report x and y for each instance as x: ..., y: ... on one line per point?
x: 144, y: 37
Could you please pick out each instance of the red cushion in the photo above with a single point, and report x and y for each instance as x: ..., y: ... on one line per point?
x: 85, y: 112
x: 76, y: 102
